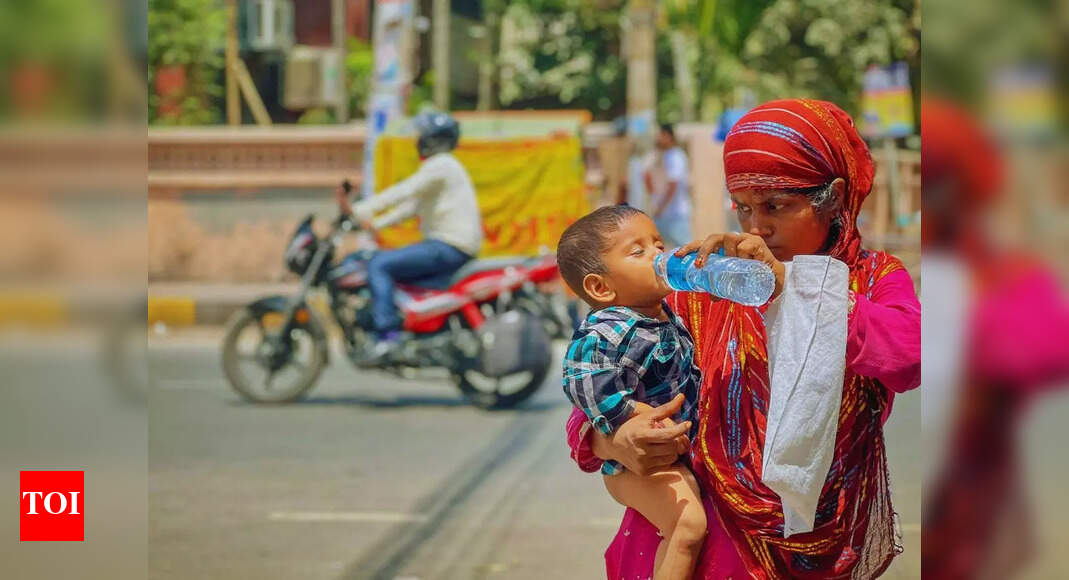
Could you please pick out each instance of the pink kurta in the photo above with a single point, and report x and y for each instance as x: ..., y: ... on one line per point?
x: 883, y: 343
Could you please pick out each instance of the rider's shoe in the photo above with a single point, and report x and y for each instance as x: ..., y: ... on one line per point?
x: 383, y: 351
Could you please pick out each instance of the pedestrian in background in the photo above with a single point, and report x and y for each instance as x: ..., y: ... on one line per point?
x: 670, y: 203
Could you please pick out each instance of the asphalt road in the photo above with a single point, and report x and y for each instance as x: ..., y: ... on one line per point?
x: 377, y: 477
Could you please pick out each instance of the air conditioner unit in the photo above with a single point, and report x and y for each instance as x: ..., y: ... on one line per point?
x: 312, y: 78
x: 268, y: 24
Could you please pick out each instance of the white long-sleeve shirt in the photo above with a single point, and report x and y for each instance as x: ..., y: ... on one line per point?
x: 441, y: 194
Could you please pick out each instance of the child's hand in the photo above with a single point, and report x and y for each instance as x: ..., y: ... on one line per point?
x: 682, y: 442
x: 643, y: 408
x: 643, y: 452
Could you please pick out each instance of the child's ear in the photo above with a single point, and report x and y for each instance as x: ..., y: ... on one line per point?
x: 598, y: 288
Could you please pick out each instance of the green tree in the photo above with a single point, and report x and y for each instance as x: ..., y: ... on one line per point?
x: 188, y: 34
x: 692, y: 32
x: 562, y: 54
x: 821, y: 48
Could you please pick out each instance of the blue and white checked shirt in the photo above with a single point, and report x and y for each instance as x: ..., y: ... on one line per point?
x: 619, y: 357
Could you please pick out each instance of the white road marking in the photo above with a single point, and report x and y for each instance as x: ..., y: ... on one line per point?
x: 373, y: 517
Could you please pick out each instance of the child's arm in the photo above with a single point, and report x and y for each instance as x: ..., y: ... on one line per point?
x: 610, y: 402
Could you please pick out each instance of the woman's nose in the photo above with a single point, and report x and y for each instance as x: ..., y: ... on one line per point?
x: 759, y: 228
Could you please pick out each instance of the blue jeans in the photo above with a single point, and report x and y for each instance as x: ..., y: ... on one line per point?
x: 427, y: 259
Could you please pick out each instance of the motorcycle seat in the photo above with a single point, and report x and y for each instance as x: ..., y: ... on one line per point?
x: 445, y: 281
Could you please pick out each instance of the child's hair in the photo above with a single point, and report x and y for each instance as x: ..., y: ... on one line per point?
x: 582, y: 244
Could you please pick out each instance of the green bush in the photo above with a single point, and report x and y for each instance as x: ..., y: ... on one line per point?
x: 190, y: 34
x: 317, y: 116
x: 359, y: 68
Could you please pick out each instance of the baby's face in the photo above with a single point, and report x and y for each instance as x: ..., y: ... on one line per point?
x: 629, y: 261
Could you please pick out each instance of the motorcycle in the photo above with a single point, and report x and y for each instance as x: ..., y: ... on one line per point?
x: 495, y: 349
x: 560, y: 314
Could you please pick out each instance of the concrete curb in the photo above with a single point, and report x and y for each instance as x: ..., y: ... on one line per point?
x: 173, y: 305
x: 188, y: 304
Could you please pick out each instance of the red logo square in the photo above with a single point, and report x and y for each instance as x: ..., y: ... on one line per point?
x: 51, y: 506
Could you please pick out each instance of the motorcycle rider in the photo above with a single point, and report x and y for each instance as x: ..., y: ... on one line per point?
x: 442, y: 196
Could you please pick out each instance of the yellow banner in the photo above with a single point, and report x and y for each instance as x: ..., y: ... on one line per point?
x: 529, y: 190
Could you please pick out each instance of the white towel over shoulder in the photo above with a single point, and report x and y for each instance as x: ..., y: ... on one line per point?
x: 807, y: 362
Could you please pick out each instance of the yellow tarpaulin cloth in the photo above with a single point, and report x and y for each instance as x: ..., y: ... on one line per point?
x: 529, y: 190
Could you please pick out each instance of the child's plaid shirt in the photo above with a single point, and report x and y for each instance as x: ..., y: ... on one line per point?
x: 619, y: 357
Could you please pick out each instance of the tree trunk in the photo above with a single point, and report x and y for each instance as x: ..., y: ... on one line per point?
x: 440, y: 56
x: 641, y: 71
x: 684, y: 75
x: 641, y: 92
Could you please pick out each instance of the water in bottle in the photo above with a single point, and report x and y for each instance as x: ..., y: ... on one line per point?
x: 747, y: 282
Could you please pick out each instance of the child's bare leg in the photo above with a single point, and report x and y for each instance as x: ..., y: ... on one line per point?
x: 658, y: 559
x: 669, y: 499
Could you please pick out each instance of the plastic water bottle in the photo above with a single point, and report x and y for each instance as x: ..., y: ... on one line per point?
x: 747, y: 282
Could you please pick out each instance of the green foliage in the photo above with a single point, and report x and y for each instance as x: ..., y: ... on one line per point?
x: 422, y: 94
x: 566, y: 53
x: 821, y: 48
x: 975, y: 40
x: 725, y: 23
x: 359, y: 69
x: 318, y: 116
x: 562, y: 54
x: 190, y: 34
x: 66, y: 42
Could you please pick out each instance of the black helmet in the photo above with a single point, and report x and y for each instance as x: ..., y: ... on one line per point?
x: 438, y: 133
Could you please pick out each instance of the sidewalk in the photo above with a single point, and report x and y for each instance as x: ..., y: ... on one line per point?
x: 205, y: 303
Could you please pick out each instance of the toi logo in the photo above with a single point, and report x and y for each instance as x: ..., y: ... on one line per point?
x: 51, y: 506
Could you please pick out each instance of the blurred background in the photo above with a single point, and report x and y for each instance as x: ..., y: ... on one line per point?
x: 72, y: 216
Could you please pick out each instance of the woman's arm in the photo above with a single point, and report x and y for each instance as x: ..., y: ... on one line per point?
x: 639, y: 444
x: 884, y: 333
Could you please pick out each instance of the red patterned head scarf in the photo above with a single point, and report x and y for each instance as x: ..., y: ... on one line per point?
x: 799, y: 143
x: 956, y: 146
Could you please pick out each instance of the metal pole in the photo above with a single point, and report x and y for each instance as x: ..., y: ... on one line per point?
x: 233, y: 102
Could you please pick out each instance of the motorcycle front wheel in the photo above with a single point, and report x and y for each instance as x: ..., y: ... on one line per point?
x: 264, y: 369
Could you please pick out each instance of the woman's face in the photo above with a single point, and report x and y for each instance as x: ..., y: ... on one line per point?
x: 788, y: 222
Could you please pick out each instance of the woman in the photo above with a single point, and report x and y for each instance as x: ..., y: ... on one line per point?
x: 798, y: 173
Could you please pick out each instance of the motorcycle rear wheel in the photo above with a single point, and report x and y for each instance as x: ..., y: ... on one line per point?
x: 503, y: 392
x: 237, y: 362
x: 485, y: 392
